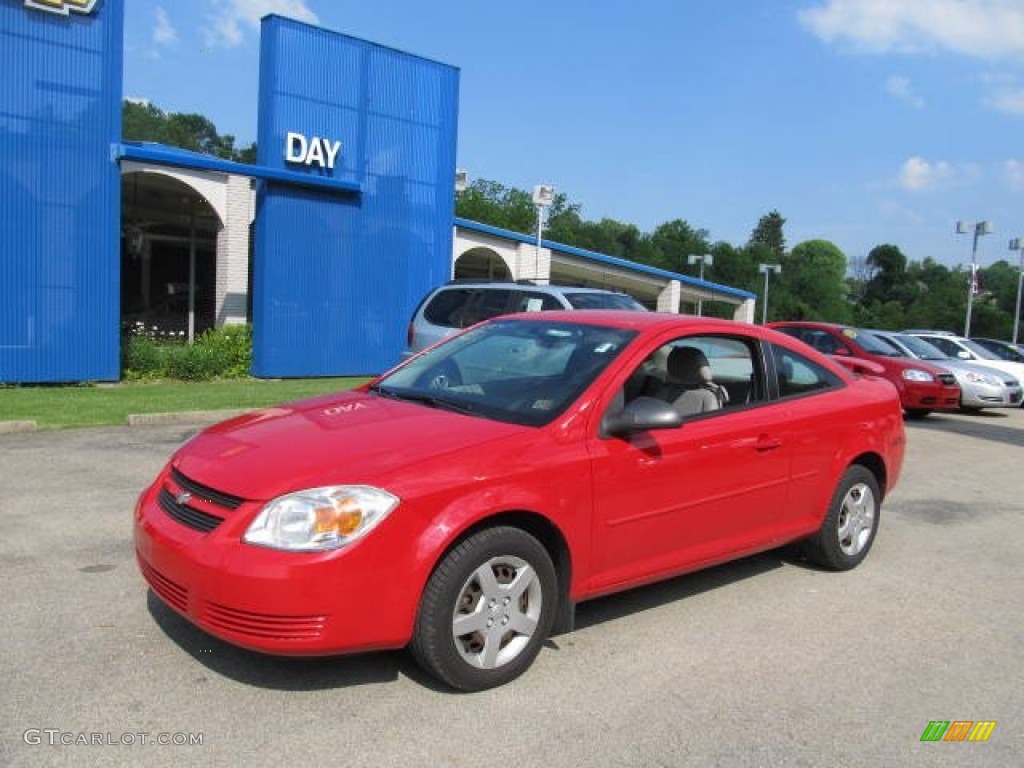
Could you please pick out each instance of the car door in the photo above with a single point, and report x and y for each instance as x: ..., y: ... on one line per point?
x: 673, y: 499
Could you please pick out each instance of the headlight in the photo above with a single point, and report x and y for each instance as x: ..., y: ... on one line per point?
x: 320, y: 519
x: 982, y: 378
x: 912, y: 374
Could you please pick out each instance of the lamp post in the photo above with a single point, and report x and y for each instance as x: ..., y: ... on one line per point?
x: 1017, y: 244
x: 767, y: 269
x: 702, y: 259
x: 543, y: 196
x: 980, y: 228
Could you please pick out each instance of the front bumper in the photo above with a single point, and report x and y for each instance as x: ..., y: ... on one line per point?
x: 987, y: 396
x: 932, y: 396
x: 286, y: 603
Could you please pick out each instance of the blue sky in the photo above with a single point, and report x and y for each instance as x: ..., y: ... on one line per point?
x: 861, y: 121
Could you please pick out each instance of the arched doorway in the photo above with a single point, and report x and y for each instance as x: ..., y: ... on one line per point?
x: 168, y: 255
x: 481, y: 264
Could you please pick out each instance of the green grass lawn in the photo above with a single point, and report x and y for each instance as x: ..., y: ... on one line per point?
x: 54, y: 407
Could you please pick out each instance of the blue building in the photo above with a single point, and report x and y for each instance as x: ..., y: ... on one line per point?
x: 348, y: 211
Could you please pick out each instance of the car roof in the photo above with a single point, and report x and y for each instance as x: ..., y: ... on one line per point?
x: 543, y: 288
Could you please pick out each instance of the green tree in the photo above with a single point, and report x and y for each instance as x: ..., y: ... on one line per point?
x: 674, y: 241
x: 942, y: 297
x: 769, y: 232
x: 142, y: 121
x: 812, y: 284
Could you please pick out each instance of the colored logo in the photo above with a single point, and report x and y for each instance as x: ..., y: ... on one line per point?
x: 958, y: 730
x: 63, y: 7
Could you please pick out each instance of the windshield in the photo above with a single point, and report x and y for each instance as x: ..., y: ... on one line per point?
x: 520, y: 371
x: 873, y: 344
x: 603, y: 301
x: 920, y: 348
x: 978, y: 350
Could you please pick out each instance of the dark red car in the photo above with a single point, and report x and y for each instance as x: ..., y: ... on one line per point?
x: 923, y: 387
x: 464, y: 503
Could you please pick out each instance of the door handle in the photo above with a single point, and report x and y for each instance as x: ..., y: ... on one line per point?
x: 767, y: 443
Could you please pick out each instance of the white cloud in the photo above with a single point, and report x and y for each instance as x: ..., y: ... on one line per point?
x: 227, y: 25
x: 164, y: 32
x: 1006, y: 99
x: 988, y: 29
x: 918, y: 174
x: 1014, y: 173
x: 899, y: 87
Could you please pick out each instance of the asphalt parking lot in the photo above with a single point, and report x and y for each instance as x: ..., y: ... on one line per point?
x: 764, y: 662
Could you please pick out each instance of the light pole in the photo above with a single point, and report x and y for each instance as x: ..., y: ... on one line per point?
x: 543, y: 196
x: 702, y: 259
x: 980, y: 228
x: 1017, y: 244
x: 767, y: 269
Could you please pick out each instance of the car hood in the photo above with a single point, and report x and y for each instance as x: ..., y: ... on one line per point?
x: 345, y: 438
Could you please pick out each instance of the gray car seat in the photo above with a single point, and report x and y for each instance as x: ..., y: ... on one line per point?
x: 689, y: 385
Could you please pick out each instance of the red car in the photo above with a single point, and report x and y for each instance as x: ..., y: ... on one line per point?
x: 465, y: 502
x: 923, y: 387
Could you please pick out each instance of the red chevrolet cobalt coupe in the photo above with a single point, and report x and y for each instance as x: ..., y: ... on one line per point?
x: 465, y: 502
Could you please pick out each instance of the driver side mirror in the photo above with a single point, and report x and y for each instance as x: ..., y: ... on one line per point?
x: 640, y: 415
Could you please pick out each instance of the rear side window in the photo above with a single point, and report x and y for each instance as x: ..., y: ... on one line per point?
x: 462, y: 307
x: 799, y: 376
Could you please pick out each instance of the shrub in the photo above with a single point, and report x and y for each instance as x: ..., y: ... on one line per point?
x: 224, y: 353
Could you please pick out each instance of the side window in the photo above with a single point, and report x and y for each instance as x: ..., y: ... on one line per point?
x: 945, y: 345
x: 799, y: 376
x: 698, y: 374
x: 823, y: 342
x: 533, y: 301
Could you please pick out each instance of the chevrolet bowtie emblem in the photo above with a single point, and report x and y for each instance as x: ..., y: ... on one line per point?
x: 63, y: 7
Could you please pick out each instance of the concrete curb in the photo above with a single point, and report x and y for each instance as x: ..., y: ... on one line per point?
x: 11, y: 427
x: 183, y: 417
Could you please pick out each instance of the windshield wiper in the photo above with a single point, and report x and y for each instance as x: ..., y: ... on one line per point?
x: 419, y: 397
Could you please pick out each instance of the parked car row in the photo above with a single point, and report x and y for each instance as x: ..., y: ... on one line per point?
x: 932, y: 370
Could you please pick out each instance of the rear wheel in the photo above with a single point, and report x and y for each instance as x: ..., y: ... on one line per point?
x: 849, y: 528
x: 486, y: 610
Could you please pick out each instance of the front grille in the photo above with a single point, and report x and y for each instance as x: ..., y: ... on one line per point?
x: 186, y: 515
x: 194, y: 504
x: 948, y: 379
x: 206, y: 493
x: 264, y: 626
x: 173, y: 593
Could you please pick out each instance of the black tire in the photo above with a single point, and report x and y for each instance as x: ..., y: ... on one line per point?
x: 486, y: 655
x: 917, y: 413
x: 849, y: 528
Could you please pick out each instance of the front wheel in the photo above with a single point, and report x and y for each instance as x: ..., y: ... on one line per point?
x: 486, y: 610
x: 850, y: 525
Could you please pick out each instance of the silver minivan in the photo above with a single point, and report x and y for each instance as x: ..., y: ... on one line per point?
x: 460, y: 304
